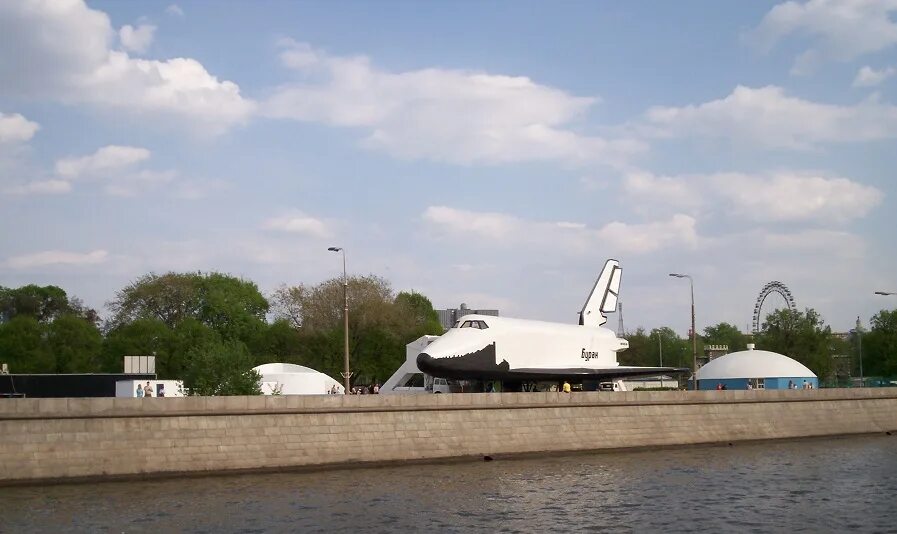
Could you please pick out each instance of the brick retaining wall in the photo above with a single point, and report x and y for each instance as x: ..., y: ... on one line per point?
x: 42, y: 439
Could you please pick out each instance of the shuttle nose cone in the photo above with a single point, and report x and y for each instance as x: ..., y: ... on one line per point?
x: 479, y: 364
x: 427, y: 364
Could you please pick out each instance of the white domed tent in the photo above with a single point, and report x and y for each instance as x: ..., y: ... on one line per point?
x: 291, y: 379
x: 760, y: 368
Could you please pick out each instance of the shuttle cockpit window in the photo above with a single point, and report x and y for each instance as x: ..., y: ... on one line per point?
x: 483, y: 325
x: 474, y: 324
x: 457, y: 324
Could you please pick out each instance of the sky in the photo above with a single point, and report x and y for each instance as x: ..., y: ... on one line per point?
x: 490, y: 153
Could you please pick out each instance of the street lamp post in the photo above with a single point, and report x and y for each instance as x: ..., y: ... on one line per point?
x: 346, y: 373
x: 859, y: 332
x: 660, y: 350
x: 694, y: 333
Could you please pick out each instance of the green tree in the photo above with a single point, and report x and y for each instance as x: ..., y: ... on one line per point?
x: 799, y: 335
x: 644, y: 349
x: 321, y: 307
x: 221, y: 368
x: 415, y: 316
x: 282, y: 343
x: 880, y: 345
x: 76, y: 345
x: 380, y: 324
x: 170, y: 298
x: 141, y: 337
x: 44, y: 303
x: 725, y: 334
x: 23, y: 346
x: 639, y: 351
x: 232, y: 307
x: 287, y: 304
x: 186, y: 337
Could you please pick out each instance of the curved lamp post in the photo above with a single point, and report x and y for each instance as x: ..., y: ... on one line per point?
x: 346, y: 373
x: 694, y: 333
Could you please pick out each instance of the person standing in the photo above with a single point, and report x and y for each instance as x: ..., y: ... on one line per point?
x: 147, y: 390
x: 139, y: 391
x: 566, y: 387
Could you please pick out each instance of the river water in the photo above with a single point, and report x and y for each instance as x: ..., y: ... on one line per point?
x: 820, y: 485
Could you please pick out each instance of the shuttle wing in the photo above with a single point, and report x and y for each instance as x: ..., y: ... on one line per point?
x: 609, y: 373
x: 603, y: 298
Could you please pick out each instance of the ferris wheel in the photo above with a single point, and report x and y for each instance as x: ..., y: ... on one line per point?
x: 770, y: 288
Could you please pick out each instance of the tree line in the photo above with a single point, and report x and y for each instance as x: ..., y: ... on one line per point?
x: 210, y: 329
x: 802, y: 335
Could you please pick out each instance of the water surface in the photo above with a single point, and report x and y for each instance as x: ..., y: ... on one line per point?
x: 822, y: 485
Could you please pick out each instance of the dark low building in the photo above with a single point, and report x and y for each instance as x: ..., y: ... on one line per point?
x: 65, y: 385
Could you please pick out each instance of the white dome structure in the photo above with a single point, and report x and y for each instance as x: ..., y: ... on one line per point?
x: 292, y: 379
x: 761, y: 369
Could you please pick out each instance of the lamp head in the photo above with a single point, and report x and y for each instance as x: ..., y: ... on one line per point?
x: 334, y: 249
x: 885, y: 293
x: 677, y: 275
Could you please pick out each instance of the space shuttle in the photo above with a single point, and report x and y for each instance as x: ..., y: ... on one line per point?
x: 487, y: 348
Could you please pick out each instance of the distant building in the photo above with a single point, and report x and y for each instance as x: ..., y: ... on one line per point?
x: 450, y: 316
x: 712, y: 352
x: 292, y: 379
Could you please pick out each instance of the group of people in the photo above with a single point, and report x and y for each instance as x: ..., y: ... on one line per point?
x: 791, y: 385
x: 366, y: 390
x: 147, y: 390
x: 357, y: 390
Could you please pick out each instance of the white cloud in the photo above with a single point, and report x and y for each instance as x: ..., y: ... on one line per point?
x: 297, y: 223
x: 196, y: 189
x: 570, y: 238
x: 57, y: 257
x: 174, y: 10
x: 818, y: 242
x: 673, y: 191
x: 767, y: 117
x: 796, y: 197
x: 839, y: 30
x: 772, y: 197
x: 105, y: 159
x: 869, y: 77
x: 42, y: 187
x: 133, y: 183
x: 447, y: 115
x: 113, y: 165
x: 137, y: 39
x: 63, y: 50
x: 16, y: 128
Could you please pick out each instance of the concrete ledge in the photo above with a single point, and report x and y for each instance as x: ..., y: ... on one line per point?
x: 90, y: 408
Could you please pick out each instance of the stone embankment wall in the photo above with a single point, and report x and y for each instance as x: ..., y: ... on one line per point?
x: 44, y: 439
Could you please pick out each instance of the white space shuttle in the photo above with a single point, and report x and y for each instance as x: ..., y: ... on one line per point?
x: 480, y: 347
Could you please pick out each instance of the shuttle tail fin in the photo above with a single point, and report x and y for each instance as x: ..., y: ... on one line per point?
x: 603, y: 298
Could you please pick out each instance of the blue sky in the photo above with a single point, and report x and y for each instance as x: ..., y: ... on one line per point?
x: 493, y: 153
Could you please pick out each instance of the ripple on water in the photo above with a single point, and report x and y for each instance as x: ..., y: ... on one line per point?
x: 760, y: 487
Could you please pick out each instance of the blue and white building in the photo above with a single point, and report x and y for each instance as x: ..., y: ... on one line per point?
x: 759, y: 368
